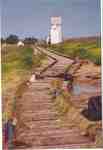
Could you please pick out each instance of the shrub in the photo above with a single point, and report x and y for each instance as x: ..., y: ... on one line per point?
x: 28, y: 62
x: 12, y: 39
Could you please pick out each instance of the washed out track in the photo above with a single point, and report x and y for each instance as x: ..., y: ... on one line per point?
x: 38, y: 120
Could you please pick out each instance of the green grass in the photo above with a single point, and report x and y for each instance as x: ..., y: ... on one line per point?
x: 18, y: 58
x: 17, y: 62
x: 84, y: 48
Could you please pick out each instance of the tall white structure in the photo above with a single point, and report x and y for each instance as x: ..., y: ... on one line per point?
x: 56, y: 31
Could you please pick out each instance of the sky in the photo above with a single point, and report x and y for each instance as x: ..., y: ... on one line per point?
x: 32, y: 17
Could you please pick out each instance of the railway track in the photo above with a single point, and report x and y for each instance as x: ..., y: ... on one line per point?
x: 38, y: 121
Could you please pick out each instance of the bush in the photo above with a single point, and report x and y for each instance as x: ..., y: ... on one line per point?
x: 82, y: 53
x: 28, y: 62
x: 12, y: 39
x: 96, y: 60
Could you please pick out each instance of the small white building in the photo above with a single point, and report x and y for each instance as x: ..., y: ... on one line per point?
x: 56, y: 30
x: 20, y: 43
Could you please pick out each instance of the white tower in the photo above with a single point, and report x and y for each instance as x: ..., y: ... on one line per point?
x: 56, y: 32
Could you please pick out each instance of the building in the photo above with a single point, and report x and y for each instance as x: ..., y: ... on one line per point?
x: 20, y: 43
x: 56, y: 30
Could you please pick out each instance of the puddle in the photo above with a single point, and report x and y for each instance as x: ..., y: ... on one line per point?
x: 79, y: 89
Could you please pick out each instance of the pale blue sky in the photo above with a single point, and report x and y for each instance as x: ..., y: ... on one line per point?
x: 32, y: 17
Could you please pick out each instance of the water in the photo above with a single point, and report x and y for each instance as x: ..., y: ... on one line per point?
x: 79, y: 89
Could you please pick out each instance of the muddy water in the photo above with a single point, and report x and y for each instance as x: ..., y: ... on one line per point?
x: 79, y: 89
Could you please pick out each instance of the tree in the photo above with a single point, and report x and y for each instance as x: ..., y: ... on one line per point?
x: 12, y: 39
x: 30, y: 40
x: 2, y: 40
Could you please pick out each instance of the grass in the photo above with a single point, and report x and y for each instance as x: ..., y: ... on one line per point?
x: 61, y: 101
x: 61, y: 105
x: 18, y: 62
x: 17, y: 65
x: 99, y: 140
x: 84, y: 48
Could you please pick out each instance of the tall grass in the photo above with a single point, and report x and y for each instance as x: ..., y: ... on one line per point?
x: 83, y: 48
x: 18, y: 61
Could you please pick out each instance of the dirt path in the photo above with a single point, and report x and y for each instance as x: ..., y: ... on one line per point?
x: 38, y: 119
